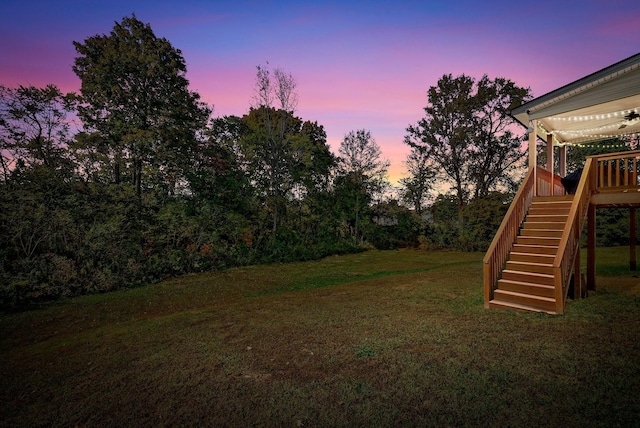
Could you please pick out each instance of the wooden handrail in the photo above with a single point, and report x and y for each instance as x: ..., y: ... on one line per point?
x: 570, y: 240
x: 590, y: 182
x: 504, y: 238
x: 630, y: 153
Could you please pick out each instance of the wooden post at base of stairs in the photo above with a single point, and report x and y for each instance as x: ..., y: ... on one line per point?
x: 578, y: 292
x: 591, y: 247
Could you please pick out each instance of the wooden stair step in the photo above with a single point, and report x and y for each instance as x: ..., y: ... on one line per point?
x: 549, y: 209
x: 550, y: 206
x: 497, y: 304
x: 560, y: 198
x: 551, y: 201
x: 533, y: 277
x: 532, y: 257
x: 537, y: 240
x: 545, y: 303
x: 526, y: 288
x: 542, y: 233
x: 549, y: 225
x: 529, y: 267
x: 555, y: 218
x: 535, y: 249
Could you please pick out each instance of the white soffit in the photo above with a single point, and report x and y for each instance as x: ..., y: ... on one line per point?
x: 590, y: 109
x: 597, y: 122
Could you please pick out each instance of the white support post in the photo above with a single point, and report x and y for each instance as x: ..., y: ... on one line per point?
x: 532, y: 153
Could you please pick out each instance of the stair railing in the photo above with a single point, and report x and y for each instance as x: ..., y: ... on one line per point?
x: 570, y: 240
x: 498, y: 251
x: 602, y: 173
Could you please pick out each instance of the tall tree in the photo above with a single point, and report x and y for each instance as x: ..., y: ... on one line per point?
x: 271, y: 129
x: 362, y: 170
x: 466, y: 133
x: 496, y: 149
x: 445, y: 132
x: 135, y: 95
x: 297, y: 162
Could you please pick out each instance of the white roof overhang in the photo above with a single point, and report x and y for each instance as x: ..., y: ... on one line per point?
x: 596, y: 107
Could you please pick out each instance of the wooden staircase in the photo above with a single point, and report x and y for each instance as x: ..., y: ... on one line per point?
x: 527, y: 281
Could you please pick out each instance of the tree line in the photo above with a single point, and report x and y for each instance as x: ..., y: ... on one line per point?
x: 152, y: 185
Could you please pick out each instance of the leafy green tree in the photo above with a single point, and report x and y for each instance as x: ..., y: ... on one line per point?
x: 216, y: 174
x: 314, y: 158
x: 34, y: 130
x: 37, y: 231
x: 283, y: 168
x: 466, y: 131
x: 415, y: 189
x: 483, y: 216
x: 361, y: 174
x: 393, y: 226
x: 445, y: 133
x: 496, y: 149
x: 135, y: 95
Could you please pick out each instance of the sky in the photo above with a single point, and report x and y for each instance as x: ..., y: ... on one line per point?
x: 358, y: 64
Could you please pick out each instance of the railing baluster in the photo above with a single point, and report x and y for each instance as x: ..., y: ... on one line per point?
x: 626, y: 171
x: 600, y: 173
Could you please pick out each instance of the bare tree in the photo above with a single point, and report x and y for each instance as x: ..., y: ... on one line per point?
x: 263, y: 96
x: 285, y: 90
x: 280, y: 87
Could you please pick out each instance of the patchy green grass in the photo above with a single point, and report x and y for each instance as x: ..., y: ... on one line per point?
x: 394, y: 338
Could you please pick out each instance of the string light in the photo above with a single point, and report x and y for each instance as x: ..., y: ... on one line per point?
x: 621, y: 113
x: 583, y: 131
x: 606, y: 146
x: 594, y: 137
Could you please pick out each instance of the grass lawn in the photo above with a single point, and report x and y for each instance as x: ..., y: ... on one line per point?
x: 382, y: 338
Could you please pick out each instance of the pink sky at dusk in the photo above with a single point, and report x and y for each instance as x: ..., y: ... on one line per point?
x: 358, y: 64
